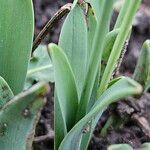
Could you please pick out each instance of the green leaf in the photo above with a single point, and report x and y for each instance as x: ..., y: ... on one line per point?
x: 142, y: 71
x: 19, y: 117
x: 122, y: 88
x: 108, y: 45
x: 125, y: 30
x: 145, y: 146
x: 65, y: 85
x: 120, y: 147
x: 59, y: 123
x: 5, y: 92
x: 16, y: 35
x: 124, y: 9
x: 40, y: 67
x: 91, y: 25
x: 95, y: 59
x: 73, y: 40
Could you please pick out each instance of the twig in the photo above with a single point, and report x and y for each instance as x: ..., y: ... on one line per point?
x: 57, y: 16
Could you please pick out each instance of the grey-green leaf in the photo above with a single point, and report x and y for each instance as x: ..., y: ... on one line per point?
x: 122, y: 88
x: 95, y: 59
x: 19, y: 117
x: 40, y: 67
x: 91, y: 25
x: 108, y: 45
x: 16, y: 36
x: 145, y: 146
x: 120, y: 147
x: 142, y: 71
x: 65, y: 85
x: 5, y: 92
x: 73, y: 40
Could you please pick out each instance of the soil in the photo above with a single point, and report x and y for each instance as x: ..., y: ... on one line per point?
x: 136, y: 130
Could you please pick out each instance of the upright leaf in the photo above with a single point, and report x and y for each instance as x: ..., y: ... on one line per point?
x: 91, y: 26
x: 142, y: 71
x: 122, y: 88
x: 59, y: 123
x: 5, y: 92
x: 19, y: 117
x: 65, y: 85
x: 95, y: 58
x: 16, y: 35
x: 73, y: 40
x: 125, y: 29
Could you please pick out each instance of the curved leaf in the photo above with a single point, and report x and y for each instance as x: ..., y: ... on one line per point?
x: 5, y: 92
x: 122, y: 88
x: 73, y: 40
x: 40, y: 67
x: 16, y: 35
x: 19, y: 117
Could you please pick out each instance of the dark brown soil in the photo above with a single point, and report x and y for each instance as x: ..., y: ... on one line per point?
x: 136, y: 129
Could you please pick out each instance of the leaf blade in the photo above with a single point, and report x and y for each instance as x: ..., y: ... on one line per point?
x: 16, y: 35
x: 65, y: 85
x: 17, y: 125
x: 73, y: 40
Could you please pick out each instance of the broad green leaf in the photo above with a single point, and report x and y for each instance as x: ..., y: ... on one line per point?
x: 95, y: 59
x: 40, y: 67
x: 19, y: 117
x: 73, y: 40
x: 65, y: 85
x: 120, y: 147
x: 145, y: 146
x: 5, y: 92
x: 16, y: 35
x: 122, y: 88
x: 142, y: 71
